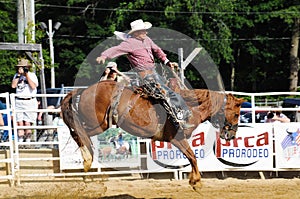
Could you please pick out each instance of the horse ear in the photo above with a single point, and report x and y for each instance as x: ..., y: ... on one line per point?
x: 240, y: 101
x: 237, y: 101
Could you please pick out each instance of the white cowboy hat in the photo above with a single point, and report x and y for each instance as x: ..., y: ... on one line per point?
x: 139, y: 25
x: 111, y: 64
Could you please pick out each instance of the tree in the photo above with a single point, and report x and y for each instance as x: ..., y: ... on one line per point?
x: 241, y: 37
x: 261, y: 50
x: 294, y: 59
x: 7, y: 34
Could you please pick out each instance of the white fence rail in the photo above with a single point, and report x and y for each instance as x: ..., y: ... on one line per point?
x: 8, y: 157
x: 258, y: 148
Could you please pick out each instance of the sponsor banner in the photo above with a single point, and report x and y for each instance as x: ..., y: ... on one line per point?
x: 251, y: 150
x: 118, y: 149
x: 287, y: 145
x: 69, y: 152
x: 163, y: 155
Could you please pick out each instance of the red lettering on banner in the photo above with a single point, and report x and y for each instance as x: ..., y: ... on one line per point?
x: 218, y: 146
x: 198, y: 139
x: 263, y: 139
x: 160, y: 145
x: 153, y: 150
x: 246, y: 141
x: 235, y: 142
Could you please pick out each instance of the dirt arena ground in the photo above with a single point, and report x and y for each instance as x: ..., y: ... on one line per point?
x: 111, y: 188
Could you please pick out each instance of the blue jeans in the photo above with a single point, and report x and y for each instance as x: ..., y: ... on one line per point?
x: 173, y: 103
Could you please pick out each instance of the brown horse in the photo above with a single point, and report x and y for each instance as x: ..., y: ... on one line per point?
x: 140, y: 116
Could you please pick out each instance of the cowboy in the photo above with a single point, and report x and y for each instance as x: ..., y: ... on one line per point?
x: 140, y: 51
x: 25, y: 83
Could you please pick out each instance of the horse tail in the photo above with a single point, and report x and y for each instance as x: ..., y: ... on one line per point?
x: 77, y: 131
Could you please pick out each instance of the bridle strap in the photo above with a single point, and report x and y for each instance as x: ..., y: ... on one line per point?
x: 230, y: 126
x: 220, y: 116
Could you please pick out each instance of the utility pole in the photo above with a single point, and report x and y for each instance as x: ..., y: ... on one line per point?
x: 25, y: 17
x: 294, y: 59
x: 21, y: 22
x: 51, y: 53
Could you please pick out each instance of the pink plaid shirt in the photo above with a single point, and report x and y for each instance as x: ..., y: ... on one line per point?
x: 139, y: 52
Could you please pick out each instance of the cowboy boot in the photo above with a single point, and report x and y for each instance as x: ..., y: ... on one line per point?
x: 182, y: 117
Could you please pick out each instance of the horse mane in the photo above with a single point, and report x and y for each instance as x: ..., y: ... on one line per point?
x: 207, y: 101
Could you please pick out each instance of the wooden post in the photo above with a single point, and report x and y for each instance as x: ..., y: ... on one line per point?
x: 184, y: 64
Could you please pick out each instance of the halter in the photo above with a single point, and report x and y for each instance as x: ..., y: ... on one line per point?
x: 219, y: 118
x: 230, y: 126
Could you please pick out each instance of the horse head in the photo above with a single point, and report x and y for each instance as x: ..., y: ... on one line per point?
x: 227, y: 118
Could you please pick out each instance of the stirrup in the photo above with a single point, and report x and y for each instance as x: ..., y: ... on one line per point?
x: 179, y: 115
x: 183, y: 114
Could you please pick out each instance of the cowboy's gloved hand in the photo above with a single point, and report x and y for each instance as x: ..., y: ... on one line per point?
x: 100, y: 60
x: 172, y: 65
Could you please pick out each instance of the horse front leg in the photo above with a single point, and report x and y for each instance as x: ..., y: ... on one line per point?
x: 182, y: 144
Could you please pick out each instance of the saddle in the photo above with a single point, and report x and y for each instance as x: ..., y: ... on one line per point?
x: 150, y: 89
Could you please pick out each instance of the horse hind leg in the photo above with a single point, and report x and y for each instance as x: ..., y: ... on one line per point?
x: 72, y: 120
x: 85, y: 150
x: 84, y: 143
x: 88, y: 158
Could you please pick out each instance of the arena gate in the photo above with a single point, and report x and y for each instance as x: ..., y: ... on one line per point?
x: 52, y: 152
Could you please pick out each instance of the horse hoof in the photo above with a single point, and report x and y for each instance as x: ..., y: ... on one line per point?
x: 197, y: 187
x: 86, y: 166
x: 88, y: 159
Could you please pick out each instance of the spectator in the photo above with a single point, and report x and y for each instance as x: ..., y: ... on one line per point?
x: 40, y: 115
x: 112, y: 73
x: 25, y: 83
x: 58, y: 121
x: 276, y: 117
x: 3, y: 122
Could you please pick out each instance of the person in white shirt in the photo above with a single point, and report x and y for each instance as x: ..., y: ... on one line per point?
x: 25, y: 83
x: 112, y: 73
x: 276, y: 117
x: 58, y: 120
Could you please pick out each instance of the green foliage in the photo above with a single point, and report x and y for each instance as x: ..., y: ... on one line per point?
x: 8, y: 62
x: 8, y: 26
x: 251, y: 36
